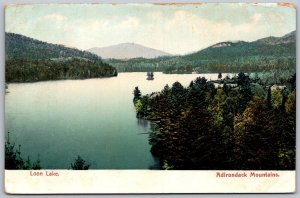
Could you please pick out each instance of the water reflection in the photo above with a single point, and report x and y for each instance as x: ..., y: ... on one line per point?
x: 143, y: 123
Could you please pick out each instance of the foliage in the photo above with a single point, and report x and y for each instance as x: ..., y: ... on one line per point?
x: 243, y: 82
x: 80, y: 164
x: 138, y: 105
x: 14, y: 160
x: 203, y: 127
x: 73, y: 68
x: 276, y: 98
x: 220, y: 76
x: 137, y: 94
x: 166, y: 166
x: 256, y: 137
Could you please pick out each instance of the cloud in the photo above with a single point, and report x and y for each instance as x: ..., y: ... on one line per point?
x: 129, y: 22
x: 177, y: 30
x: 155, y: 15
x: 195, y: 29
x: 256, y: 17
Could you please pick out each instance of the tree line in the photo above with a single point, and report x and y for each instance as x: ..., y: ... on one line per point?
x: 20, y: 70
x: 202, y: 127
x: 180, y: 65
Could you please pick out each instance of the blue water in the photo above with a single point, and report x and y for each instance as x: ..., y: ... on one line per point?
x: 93, y: 118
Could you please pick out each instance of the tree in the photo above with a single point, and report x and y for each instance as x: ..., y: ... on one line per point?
x: 284, y: 93
x: 176, y: 98
x: 276, y: 98
x: 243, y: 82
x: 14, y: 160
x: 80, y: 164
x: 287, y: 152
x: 137, y: 94
x: 138, y: 106
x: 201, y: 127
x: 256, y: 137
x: 292, y: 82
x: 226, y: 88
x: 37, y: 165
x: 269, y: 98
x: 220, y: 76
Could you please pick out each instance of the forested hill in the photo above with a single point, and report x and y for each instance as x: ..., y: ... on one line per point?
x: 263, y: 54
x: 21, y: 47
x: 267, y: 47
x: 29, y: 60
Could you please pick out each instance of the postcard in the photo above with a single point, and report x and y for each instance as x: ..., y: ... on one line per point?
x: 150, y: 98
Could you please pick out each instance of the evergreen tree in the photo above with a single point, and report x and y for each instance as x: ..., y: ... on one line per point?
x: 244, y: 85
x: 137, y: 94
x: 226, y: 88
x: 220, y: 76
x: 269, y: 97
x: 37, y: 165
x: 80, y: 164
x: 287, y: 124
x: 201, y: 127
x: 14, y: 160
x: 292, y: 82
x: 256, y: 138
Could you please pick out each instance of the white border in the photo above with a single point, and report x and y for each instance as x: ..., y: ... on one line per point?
x: 146, y: 181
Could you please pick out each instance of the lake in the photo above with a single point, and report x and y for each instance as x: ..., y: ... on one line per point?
x: 93, y: 118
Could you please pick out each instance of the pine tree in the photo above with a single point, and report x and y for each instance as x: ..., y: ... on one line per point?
x: 13, y: 159
x: 80, y: 164
x: 137, y: 94
x: 269, y: 98
x: 220, y: 76
x: 244, y: 85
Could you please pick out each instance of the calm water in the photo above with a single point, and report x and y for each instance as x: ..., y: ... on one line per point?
x: 93, y: 118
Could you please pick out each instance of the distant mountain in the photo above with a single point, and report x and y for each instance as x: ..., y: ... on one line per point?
x: 229, y: 56
x: 288, y: 38
x: 29, y: 60
x: 21, y: 47
x: 127, y: 51
x: 284, y: 46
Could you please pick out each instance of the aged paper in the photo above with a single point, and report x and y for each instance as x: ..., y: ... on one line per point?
x: 150, y: 98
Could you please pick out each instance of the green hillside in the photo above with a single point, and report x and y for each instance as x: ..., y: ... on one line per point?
x: 267, y: 47
x: 263, y: 54
x: 21, y: 47
x: 29, y: 60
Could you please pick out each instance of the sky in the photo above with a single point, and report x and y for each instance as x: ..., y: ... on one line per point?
x: 176, y: 29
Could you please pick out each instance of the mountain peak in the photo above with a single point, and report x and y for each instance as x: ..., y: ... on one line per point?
x: 291, y: 34
x: 271, y: 46
x: 272, y: 40
x: 225, y: 44
x: 127, y: 51
x: 128, y: 43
